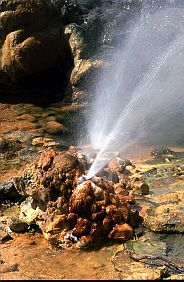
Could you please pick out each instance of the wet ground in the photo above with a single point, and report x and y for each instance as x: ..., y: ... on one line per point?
x: 28, y: 256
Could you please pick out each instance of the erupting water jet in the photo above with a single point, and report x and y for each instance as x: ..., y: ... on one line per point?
x: 140, y: 100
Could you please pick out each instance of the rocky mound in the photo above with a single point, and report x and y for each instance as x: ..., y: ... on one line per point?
x: 70, y: 212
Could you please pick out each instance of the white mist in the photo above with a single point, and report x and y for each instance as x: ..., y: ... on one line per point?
x: 141, y: 97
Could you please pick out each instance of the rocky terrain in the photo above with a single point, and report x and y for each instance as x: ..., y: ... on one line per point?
x: 136, y: 207
x: 124, y: 223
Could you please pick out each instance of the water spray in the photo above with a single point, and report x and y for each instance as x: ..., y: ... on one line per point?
x: 141, y: 99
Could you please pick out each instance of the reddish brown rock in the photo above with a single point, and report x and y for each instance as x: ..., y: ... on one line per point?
x: 82, y: 227
x: 118, y: 214
x: 54, y: 127
x: 52, y: 175
x: 84, y: 242
x: 81, y: 200
x: 121, y: 232
x: 84, y: 213
x: 120, y: 189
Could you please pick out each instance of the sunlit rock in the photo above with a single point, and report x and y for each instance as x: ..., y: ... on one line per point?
x: 121, y: 232
x: 51, y: 175
x: 167, y: 216
x: 68, y: 207
x: 30, y: 211
x: 93, y: 211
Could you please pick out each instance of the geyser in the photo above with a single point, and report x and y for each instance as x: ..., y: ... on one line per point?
x: 140, y: 98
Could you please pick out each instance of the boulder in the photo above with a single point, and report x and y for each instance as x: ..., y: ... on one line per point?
x: 85, y: 68
x: 8, y: 192
x: 32, y: 40
x: 24, y: 54
x: 31, y: 15
x: 51, y: 175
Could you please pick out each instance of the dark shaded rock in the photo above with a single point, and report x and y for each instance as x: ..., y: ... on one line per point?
x: 9, y: 192
x: 71, y: 12
x: 30, y: 15
x: 24, y: 54
x: 77, y: 42
x: 108, y: 175
x: 93, y: 29
x: 140, y: 187
x: 9, y: 145
x: 162, y: 152
x: 4, y: 237
x: 17, y: 225
x: 112, y: 176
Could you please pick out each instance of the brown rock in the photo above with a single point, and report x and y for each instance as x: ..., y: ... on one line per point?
x: 55, y: 127
x: 116, y: 165
x: 27, y: 117
x: 140, y: 187
x: 81, y: 200
x: 24, y: 54
x: 120, y: 189
x: 107, y: 223
x: 32, y: 40
x: 118, y: 214
x: 127, y: 199
x: 168, y: 215
x: 121, y: 232
x: 84, y: 71
x: 51, y: 175
x: 82, y: 227
x: 30, y: 15
x: 84, y: 242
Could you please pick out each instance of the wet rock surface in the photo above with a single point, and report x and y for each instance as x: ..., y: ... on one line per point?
x: 127, y: 221
x: 51, y: 201
x: 84, y: 214
x: 88, y: 212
